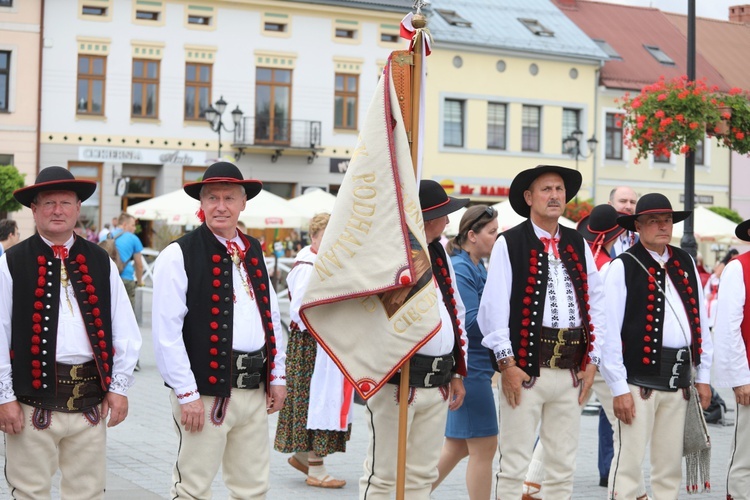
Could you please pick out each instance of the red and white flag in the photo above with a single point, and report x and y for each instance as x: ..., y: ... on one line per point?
x: 371, y: 301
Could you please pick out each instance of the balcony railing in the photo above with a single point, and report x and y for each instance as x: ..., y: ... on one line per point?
x: 277, y: 133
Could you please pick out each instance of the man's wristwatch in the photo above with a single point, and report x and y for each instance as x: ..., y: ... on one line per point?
x: 458, y: 376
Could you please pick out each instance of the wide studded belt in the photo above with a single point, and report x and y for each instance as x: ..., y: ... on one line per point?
x: 427, y: 371
x: 674, y: 372
x: 78, y: 389
x: 248, y: 369
x: 562, y: 347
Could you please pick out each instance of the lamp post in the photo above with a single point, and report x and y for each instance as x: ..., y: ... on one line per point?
x: 572, y: 146
x: 214, y: 117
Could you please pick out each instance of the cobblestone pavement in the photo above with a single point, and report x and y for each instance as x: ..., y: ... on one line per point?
x: 142, y: 449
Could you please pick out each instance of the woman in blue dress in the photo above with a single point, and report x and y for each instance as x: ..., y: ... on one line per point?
x: 472, y: 429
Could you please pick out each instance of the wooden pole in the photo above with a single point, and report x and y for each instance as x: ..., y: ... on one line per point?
x: 418, y: 21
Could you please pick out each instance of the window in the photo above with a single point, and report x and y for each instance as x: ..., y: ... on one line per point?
x: 346, y: 33
x: 613, y: 137
x: 200, y: 20
x: 570, y: 123
x: 90, y: 209
x: 284, y: 189
x: 453, y: 18
x: 345, y: 101
x: 659, y: 55
x: 146, y: 15
x: 661, y: 159
x: 92, y: 72
x: 530, y: 122
x: 4, y: 79
x: 197, y: 90
x: 389, y: 37
x: 6, y: 159
x: 608, y: 49
x: 536, y: 27
x: 140, y: 188
x: 192, y: 174
x: 496, y: 123
x: 6, y: 3
x: 145, y: 99
x: 274, y: 27
x: 273, y: 91
x: 93, y: 11
x: 453, y: 123
x: 700, y: 152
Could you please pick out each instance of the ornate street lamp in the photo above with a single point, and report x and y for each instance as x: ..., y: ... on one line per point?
x: 214, y: 117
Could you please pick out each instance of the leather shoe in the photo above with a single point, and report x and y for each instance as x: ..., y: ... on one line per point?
x: 326, y: 482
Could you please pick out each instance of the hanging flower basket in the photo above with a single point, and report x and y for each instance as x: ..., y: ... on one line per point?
x: 672, y: 117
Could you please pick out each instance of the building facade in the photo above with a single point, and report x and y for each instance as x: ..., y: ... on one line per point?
x: 20, y: 60
x: 127, y: 84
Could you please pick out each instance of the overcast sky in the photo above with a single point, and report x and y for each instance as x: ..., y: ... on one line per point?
x: 717, y: 9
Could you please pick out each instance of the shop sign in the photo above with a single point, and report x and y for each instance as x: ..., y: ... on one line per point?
x: 144, y: 156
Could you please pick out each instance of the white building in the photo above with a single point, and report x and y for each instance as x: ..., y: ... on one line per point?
x: 124, y: 84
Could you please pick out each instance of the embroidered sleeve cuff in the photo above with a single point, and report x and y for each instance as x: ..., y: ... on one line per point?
x: 279, y: 380
x: 6, y: 392
x: 504, y: 353
x: 184, y: 397
x: 596, y: 360
x: 119, y: 384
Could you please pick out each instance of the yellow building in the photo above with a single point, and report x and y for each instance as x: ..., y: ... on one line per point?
x: 506, y: 85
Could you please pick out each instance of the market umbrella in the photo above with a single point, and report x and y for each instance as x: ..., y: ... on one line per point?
x: 506, y: 216
x: 707, y: 226
x: 313, y: 202
x: 177, y: 208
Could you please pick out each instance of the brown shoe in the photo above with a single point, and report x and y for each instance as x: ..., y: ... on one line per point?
x: 531, y: 491
x: 326, y: 482
x: 304, y: 469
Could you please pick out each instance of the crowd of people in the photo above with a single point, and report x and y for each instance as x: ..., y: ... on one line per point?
x: 548, y: 312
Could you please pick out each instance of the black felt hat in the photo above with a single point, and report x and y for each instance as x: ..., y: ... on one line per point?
x: 600, y: 226
x: 435, y: 202
x: 54, y: 179
x: 652, y: 203
x: 742, y: 231
x: 224, y: 172
x: 571, y: 178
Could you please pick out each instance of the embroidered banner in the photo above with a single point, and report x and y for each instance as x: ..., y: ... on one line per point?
x: 371, y: 301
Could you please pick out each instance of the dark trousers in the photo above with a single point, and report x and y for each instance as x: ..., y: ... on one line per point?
x: 606, y: 445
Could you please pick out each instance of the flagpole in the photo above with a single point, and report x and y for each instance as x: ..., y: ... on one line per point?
x: 418, y: 21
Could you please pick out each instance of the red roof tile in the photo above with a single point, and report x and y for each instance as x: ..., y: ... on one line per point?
x: 723, y: 43
x: 627, y: 29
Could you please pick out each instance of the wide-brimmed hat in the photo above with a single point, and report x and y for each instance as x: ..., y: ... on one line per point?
x: 600, y: 226
x: 652, y: 203
x: 224, y: 172
x: 435, y: 202
x: 742, y: 231
x: 54, y: 179
x: 571, y: 178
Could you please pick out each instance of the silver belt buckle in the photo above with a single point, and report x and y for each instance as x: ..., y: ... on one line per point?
x: 240, y: 383
x: 240, y: 364
x: 427, y: 379
x: 435, y: 363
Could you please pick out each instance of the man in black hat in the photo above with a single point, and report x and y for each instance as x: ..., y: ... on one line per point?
x: 217, y: 338
x: 647, y: 360
x: 435, y: 379
x: 68, y: 346
x: 732, y: 361
x: 541, y: 303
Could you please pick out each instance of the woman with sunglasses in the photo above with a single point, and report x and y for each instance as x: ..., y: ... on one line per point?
x: 472, y: 429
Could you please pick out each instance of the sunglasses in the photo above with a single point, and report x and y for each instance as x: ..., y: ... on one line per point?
x: 489, y: 212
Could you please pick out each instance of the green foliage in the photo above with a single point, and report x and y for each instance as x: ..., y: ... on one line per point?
x: 10, y: 180
x: 727, y: 213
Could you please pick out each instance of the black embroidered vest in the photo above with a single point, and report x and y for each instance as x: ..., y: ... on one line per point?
x: 36, y: 301
x: 529, y: 290
x: 207, y: 327
x: 440, y: 270
x: 645, y: 307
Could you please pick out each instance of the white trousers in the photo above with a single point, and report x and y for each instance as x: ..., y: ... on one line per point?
x: 552, y: 398
x: 738, y: 477
x: 240, y: 444
x: 660, y: 419
x: 68, y: 441
x: 427, y: 413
